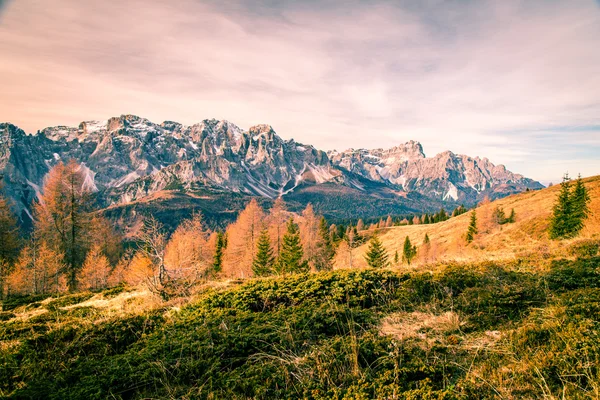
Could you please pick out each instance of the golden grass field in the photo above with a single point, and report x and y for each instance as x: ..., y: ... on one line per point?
x: 526, y: 238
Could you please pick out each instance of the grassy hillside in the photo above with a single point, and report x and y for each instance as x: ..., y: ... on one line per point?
x: 468, y: 331
x: 515, y: 315
x: 526, y: 238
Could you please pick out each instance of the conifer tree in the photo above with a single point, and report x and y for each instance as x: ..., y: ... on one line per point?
x: 426, y: 239
x: 376, y: 256
x: 61, y: 218
x: 220, y: 245
x: 396, y: 258
x: 580, y: 199
x: 389, y: 222
x: 290, y: 258
x: 264, y: 259
x: 512, y: 217
x: 499, y: 216
x: 427, y: 220
x: 561, y: 224
x: 408, y: 251
x: 9, y: 241
x: 360, y: 226
x: 472, y: 230
x: 325, y: 247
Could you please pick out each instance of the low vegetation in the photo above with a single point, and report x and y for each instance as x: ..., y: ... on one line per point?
x: 473, y: 305
x: 466, y: 331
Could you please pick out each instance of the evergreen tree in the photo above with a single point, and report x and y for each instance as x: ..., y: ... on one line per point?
x: 408, y: 251
x: 263, y: 260
x: 290, y: 258
x: 580, y: 199
x: 426, y: 240
x: 220, y: 245
x: 410, y: 220
x: 396, y: 258
x: 324, y: 247
x: 499, y: 216
x: 561, y: 224
x: 472, y: 230
x: 427, y: 220
x: 376, y: 256
x: 512, y: 217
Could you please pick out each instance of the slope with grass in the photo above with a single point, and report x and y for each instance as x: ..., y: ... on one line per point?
x: 466, y: 331
x: 526, y: 238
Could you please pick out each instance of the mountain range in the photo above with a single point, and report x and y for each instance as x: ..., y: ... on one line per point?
x: 135, y: 166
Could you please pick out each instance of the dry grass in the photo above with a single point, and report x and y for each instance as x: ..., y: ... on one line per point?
x: 526, y: 238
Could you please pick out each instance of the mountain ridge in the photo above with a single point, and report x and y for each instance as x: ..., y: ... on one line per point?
x: 128, y: 157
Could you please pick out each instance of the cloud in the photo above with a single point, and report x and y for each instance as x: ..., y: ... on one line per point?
x: 488, y: 78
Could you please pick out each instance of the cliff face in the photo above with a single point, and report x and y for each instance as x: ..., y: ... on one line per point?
x: 447, y: 176
x: 128, y: 158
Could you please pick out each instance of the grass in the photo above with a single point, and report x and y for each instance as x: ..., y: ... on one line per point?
x: 464, y: 331
x: 525, y: 239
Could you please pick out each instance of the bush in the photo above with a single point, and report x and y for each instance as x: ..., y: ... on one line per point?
x: 584, y: 248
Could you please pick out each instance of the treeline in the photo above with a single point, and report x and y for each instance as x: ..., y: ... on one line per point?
x: 74, y: 248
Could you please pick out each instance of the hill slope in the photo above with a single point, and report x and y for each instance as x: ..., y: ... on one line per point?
x: 526, y: 237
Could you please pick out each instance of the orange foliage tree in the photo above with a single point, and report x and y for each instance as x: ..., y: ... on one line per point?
x: 39, y: 269
x: 242, y: 239
x: 96, y: 270
x: 61, y: 219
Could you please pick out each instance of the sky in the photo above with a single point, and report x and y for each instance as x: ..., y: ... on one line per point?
x: 515, y: 81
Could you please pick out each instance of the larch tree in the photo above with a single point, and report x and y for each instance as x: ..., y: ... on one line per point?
x: 291, y: 258
x: 309, y: 236
x: 472, y: 229
x: 95, y: 271
x: 276, y: 222
x: 103, y: 234
x: 9, y: 241
x: 360, y: 226
x: 38, y: 270
x: 152, y: 244
x: 242, y: 237
x: 188, y: 256
x: 61, y: 218
x: 264, y: 260
x: 376, y: 255
x: 389, y: 222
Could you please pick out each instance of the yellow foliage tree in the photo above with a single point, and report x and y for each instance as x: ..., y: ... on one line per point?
x: 242, y: 237
x: 96, y: 270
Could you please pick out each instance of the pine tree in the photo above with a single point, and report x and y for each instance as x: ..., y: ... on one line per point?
x: 290, y: 258
x: 221, y: 243
x: 376, y: 256
x: 325, y: 249
x: 408, y: 251
x: 512, y: 217
x: 426, y: 239
x: 472, y: 230
x: 396, y: 258
x: 264, y: 259
x: 561, y: 224
x: 580, y: 200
